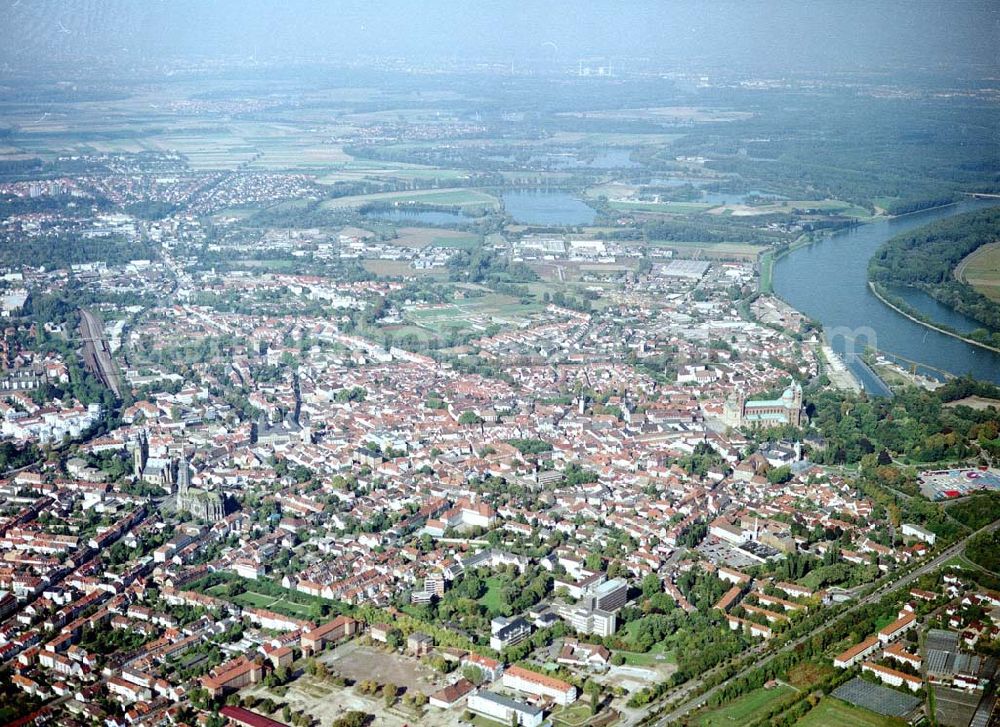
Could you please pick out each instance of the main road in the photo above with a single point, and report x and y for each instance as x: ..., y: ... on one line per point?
x: 699, y: 701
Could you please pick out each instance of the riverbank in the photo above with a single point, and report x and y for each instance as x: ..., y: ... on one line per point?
x: 828, y: 283
x: 971, y: 341
x: 836, y: 370
x: 768, y: 259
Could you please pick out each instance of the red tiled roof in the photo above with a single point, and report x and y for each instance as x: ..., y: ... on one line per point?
x: 246, y: 717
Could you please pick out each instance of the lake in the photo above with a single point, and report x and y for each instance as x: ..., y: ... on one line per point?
x: 828, y: 281
x: 544, y: 207
x: 426, y: 217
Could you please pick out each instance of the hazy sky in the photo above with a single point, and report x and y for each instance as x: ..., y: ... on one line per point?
x: 745, y: 35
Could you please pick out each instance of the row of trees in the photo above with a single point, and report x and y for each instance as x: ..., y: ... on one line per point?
x: 926, y: 258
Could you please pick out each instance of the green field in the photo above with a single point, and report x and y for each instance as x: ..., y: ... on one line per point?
x: 981, y: 270
x: 475, y: 313
x: 294, y: 604
x: 659, y: 654
x: 747, y: 708
x: 252, y: 599
x: 572, y: 715
x: 401, y: 269
x: 831, y: 712
x: 767, y: 272
x: 491, y: 599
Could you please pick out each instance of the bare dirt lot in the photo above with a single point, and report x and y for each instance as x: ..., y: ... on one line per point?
x: 325, y: 701
x: 356, y: 661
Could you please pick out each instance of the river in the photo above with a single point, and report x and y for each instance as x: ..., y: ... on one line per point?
x: 828, y: 281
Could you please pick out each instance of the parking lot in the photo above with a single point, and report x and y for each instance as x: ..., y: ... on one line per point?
x: 949, y: 484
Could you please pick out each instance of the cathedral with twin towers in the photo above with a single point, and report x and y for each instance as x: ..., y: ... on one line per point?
x: 174, y: 475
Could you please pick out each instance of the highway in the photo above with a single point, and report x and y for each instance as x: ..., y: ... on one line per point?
x: 96, y: 352
x: 699, y: 701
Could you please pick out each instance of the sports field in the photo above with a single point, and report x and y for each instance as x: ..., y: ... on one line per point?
x: 253, y: 599
x: 471, y: 313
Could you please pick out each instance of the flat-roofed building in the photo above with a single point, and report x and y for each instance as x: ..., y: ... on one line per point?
x: 504, y: 709
x: 610, y: 595
x: 915, y: 531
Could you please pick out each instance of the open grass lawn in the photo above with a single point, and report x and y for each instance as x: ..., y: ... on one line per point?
x: 475, y: 313
x: 252, y: 599
x: 746, y: 709
x: 571, y: 715
x: 659, y: 654
x: 491, y: 599
x: 767, y: 272
x: 281, y: 605
x: 831, y: 712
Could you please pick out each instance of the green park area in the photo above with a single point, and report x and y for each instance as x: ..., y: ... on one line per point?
x: 491, y: 599
x: 747, y: 709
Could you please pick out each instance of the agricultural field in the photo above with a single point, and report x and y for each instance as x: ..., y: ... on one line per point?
x: 981, y: 270
x: 452, y: 197
x: 687, y: 114
x: 358, y: 169
x: 831, y: 712
x: 748, y: 708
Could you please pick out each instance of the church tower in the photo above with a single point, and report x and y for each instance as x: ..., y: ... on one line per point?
x: 183, y: 477
x: 140, y: 454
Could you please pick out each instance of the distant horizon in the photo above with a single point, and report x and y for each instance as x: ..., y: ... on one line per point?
x: 748, y: 37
